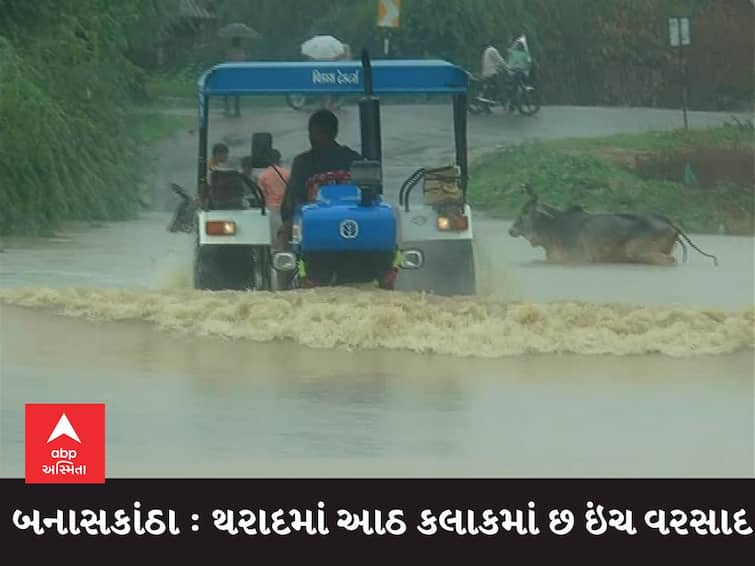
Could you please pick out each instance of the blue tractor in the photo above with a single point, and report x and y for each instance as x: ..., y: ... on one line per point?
x: 347, y: 233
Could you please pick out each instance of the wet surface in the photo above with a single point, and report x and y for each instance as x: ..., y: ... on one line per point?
x: 205, y: 407
x: 194, y: 404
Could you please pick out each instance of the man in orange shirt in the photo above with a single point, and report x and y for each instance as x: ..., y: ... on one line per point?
x: 273, y: 181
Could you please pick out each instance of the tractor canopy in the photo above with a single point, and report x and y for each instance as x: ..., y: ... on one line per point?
x: 367, y: 78
x: 333, y: 78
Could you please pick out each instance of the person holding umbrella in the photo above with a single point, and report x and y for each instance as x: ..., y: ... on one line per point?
x: 236, y: 32
x: 326, y: 48
x: 235, y: 53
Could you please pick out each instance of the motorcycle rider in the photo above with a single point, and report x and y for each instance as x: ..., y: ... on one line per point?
x: 495, y: 73
x: 500, y: 73
x: 519, y: 60
x: 492, y: 62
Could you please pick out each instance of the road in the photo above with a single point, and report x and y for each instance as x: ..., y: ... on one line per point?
x: 552, y: 371
x: 413, y: 136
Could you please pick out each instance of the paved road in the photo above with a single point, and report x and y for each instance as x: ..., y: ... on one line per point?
x: 413, y: 136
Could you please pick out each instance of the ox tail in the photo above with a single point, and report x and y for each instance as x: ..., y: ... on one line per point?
x: 684, y: 238
x: 684, y: 249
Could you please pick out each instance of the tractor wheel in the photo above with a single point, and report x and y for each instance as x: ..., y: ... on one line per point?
x: 457, y: 268
x: 224, y: 267
x: 263, y: 269
x: 449, y: 269
x: 205, y: 274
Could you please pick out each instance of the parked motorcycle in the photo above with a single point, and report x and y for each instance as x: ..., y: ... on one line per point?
x: 299, y: 101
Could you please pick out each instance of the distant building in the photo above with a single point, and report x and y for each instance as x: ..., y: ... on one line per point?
x: 192, y: 29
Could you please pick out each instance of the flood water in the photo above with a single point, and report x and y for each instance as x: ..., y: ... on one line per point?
x: 653, y: 377
x: 613, y: 371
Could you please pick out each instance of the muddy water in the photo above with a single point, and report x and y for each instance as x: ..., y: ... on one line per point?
x: 185, y: 406
x: 600, y: 371
x: 552, y: 371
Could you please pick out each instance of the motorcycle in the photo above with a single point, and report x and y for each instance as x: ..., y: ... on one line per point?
x: 299, y: 101
x: 521, y: 95
x: 511, y: 88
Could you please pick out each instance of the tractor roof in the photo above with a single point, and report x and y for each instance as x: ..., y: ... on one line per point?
x: 409, y: 76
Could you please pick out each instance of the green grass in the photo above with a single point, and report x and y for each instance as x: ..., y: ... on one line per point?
x: 592, y: 173
x: 182, y: 90
x: 723, y: 137
x: 152, y: 126
x: 171, y: 87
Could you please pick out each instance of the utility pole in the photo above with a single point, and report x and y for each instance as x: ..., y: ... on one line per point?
x: 679, y: 37
x: 388, y: 19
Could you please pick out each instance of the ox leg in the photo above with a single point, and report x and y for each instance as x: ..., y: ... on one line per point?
x: 656, y: 258
x: 659, y: 258
x: 653, y: 253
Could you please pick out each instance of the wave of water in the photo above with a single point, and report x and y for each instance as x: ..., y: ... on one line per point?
x: 360, y: 319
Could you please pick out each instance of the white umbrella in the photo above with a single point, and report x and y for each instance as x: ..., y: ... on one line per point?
x: 237, y: 29
x: 323, y: 48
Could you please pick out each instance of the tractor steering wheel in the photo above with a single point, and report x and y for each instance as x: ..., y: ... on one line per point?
x: 327, y: 178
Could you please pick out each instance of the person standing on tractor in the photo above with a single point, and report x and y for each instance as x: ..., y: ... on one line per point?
x: 272, y: 181
x: 325, y: 155
x: 219, y: 157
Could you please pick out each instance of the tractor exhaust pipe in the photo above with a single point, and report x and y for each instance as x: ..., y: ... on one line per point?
x: 369, y: 115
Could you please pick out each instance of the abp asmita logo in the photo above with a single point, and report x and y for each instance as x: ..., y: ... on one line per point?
x: 65, y: 443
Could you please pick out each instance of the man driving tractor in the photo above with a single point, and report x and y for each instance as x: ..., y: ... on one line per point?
x: 326, y: 155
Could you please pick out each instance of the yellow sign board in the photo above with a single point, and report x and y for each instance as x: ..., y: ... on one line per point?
x: 388, y: 12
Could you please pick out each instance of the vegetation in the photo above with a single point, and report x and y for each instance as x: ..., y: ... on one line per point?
x: 71, y: 146
x: 72, y: 73
x: 154, y: 125
x: 589, y: 51
x: 605, y: 174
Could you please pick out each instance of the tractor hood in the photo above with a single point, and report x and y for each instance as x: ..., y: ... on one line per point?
x: 340, y: 223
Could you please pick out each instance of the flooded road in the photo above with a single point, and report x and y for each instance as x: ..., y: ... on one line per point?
x: 552, y: 371
x: 191, y: 406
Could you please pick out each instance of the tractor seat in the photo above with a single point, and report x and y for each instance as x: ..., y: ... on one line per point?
x: 226, y: 190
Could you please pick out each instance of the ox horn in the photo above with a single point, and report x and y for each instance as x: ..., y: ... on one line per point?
x: 527, y: 188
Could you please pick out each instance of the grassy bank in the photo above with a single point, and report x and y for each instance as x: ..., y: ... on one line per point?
x: 151, y: 125
x: 703, y: 179
x: 94, y: 197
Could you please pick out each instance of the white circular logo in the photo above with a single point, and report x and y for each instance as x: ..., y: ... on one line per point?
x: 349, y: 229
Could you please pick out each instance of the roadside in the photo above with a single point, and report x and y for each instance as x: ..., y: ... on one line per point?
x: 151, y: 124
x: 704, y: 179
x: 147, y: 125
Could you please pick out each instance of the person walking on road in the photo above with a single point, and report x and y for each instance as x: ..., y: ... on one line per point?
x: 235, y: 53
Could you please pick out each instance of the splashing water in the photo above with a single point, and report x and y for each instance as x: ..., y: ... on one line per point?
x: 357, y: 319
